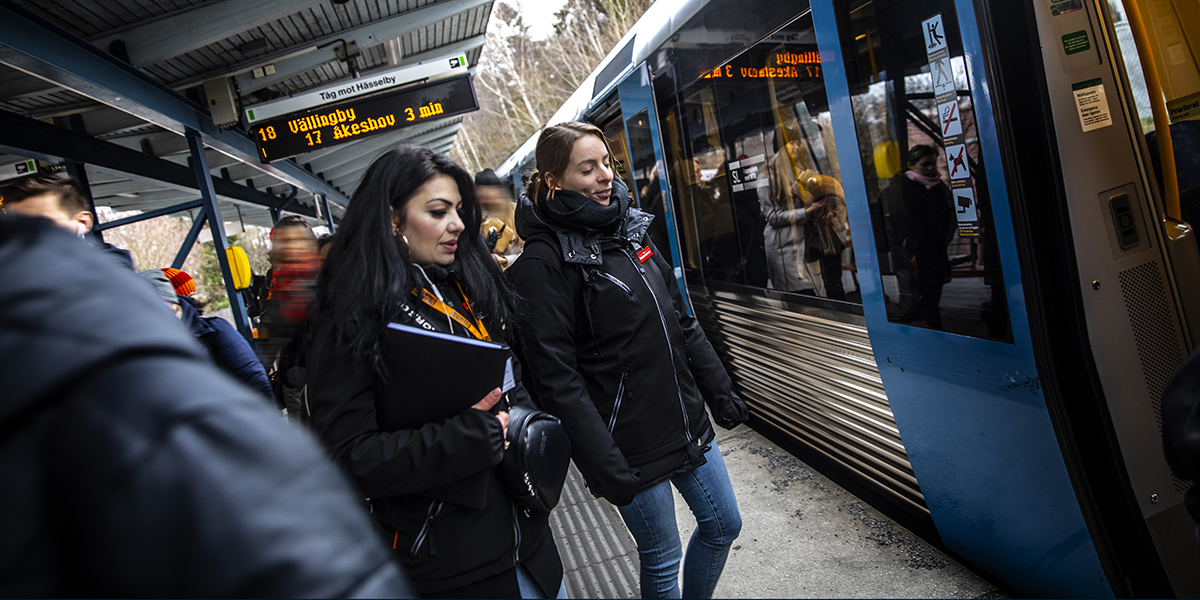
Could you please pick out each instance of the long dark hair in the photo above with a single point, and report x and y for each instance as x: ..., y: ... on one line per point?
x: 367, y: 273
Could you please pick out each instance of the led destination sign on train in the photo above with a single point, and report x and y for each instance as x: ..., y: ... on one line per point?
x: 336, y: 124
x: 780, y: 64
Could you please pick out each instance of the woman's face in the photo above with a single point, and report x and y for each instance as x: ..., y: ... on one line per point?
x: 431, y: 222
x: 927, y: 166
x: 590, y: 171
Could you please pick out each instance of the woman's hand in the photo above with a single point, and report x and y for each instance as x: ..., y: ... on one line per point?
x: 488, y: 402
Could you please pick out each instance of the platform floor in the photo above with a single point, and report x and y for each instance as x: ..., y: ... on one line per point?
x: 802, y: 537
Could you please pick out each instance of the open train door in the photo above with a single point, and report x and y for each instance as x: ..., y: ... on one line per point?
x: 1025, y: 326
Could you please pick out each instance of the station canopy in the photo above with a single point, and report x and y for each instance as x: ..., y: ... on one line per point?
x: 113, y: 87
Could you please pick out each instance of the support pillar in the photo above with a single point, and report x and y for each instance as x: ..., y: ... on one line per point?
x: 325, y: 209
x: 190, y: 240
x: 216, y: 226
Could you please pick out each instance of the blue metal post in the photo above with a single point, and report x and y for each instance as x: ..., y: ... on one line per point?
x: 190, y: 240
x: 209, y: 196
x: 325, y: 209
x: 151, y: 215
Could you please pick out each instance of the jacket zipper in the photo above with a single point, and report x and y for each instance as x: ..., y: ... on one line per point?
x: 612, y: 421
x: 435, y: 507
x: 516, y: 536
x: 617, y: 282
x: 687, y: 424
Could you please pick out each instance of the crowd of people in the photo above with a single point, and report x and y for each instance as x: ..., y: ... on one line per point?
x: 193, y: 485
x: 145, y: 448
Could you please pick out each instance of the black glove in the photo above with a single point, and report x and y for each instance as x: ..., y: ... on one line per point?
x: 732, y: 412
x: 493, y: 236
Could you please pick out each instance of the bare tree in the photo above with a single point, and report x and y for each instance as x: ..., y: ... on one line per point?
x: 521, y: 81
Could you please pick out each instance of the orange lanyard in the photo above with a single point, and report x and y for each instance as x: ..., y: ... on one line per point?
x: 477, y: 329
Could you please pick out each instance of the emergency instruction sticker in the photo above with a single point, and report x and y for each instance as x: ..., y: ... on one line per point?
x: 1092, y: 104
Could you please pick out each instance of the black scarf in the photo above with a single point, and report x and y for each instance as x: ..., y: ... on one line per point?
x: 574, y: 211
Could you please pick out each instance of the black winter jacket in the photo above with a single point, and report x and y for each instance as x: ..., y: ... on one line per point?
x: 228, y: 348
x: 612, y: 352
x: 134, y: 468
x: 435, y: 488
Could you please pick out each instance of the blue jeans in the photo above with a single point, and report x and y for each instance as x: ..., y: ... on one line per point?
x: 530, y: 589
x: 651, y: 520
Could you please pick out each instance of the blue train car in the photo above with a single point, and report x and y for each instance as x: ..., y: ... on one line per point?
x: 981, y: 340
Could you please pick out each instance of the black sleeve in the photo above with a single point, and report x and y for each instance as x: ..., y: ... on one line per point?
x: 198, y: 490
x: 714, y: 383
x: 548, y: 342
x: 1181, y: 419
x: 341, y: 397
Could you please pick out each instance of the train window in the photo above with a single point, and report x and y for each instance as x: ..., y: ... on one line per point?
x: 614, y: 130
x: 935, y: 242
x: 762, y: 202
x: 644, y: 169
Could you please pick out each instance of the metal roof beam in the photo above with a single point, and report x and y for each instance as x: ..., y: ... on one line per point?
x: 155, y: 40
x: 35, y: 139
x: 367, y: 35
x: 40, y: 48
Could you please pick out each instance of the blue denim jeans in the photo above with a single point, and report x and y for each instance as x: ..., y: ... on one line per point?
x: 530, y: 589
x: 651, y: 520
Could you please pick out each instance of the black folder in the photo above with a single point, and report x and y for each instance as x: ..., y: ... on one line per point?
x: 441, y: 375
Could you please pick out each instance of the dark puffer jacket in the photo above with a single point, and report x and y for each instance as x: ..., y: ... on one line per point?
x: 134, y: 468
x: 612, y: 352
x: 435, y: 488
x: 228, y: 348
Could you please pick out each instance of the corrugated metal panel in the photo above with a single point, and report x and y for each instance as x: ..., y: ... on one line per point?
x: 812, y: 376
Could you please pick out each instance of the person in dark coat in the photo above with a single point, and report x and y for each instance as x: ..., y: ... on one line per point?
x: 134, y: 468
x: 59, y: 199
x: 409, y: 251
x: 919, y: 213
x: 225, y: 345
x: 612, y: 352
x: 1181, y: 429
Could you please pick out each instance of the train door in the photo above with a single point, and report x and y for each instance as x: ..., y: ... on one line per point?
x: 1024, y: 307
x: 647, y: 167
x: 630, y: 123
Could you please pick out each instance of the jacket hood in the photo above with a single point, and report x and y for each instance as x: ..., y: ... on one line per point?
x: 65, y: 308
x: 577, y: 247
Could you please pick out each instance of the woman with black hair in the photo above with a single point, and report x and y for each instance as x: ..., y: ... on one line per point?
x: 409, y: 251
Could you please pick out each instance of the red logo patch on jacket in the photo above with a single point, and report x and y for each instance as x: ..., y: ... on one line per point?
x: 645, y: 253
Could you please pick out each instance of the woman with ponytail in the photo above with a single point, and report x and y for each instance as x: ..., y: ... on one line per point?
x: 408, y: 250
x: 613, y: 353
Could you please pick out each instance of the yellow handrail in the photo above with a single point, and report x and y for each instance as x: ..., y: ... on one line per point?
x: 1162, y: 124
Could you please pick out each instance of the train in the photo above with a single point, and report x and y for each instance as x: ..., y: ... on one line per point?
x: 988, y: 355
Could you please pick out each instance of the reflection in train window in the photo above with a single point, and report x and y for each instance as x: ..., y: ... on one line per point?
x: 934, y: 236
x: 751, y: 149
x: 644, y: 169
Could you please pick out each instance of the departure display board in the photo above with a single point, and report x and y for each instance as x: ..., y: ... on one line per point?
x: 353, y: 120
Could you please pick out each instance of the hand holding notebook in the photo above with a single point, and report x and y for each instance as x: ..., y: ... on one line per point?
x: 443, y: 374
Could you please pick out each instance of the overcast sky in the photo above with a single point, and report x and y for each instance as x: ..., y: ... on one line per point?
x: 539, y: 15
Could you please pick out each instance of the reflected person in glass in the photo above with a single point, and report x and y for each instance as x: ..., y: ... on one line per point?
x: 920, y: 221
